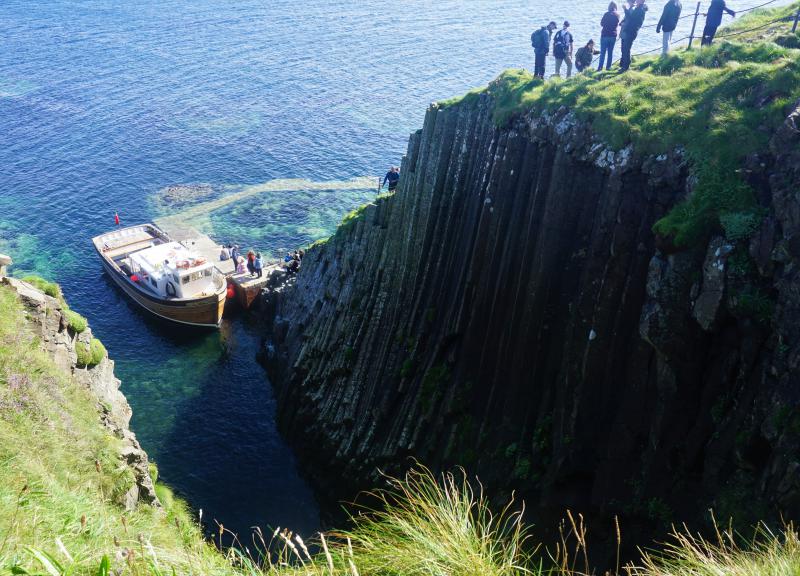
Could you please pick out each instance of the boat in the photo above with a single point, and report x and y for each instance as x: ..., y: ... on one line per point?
x: 163, y: 276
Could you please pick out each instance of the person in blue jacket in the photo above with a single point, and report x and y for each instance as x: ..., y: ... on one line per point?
x: 713, y: 20
x: 392, y: 177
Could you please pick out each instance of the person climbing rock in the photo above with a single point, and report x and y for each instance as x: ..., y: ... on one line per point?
x: 608, y: 35
x: 562, y: 49
x: 392, y: 177
x: 634, y: 18
x: 583, y: 57
x: 540, y: 40
x: 713, y: 20
x: 667, y: 23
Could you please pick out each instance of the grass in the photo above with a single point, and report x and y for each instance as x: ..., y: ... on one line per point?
x: 766, y: 554
x: 61, y: 483
x: 76, y: 322
x: 90, y: 354
x: 719, y: 103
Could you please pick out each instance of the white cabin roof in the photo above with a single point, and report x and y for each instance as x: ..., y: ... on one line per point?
x: 168, y: 258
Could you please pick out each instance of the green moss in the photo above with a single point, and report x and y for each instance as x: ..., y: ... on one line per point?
x: 432, y: 383
x: 76, y: 322
x: 91, y: 354
x: 50, y: 288
x: 756, y: 304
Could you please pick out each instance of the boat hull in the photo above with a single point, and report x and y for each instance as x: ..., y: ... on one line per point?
x: 205, y: 311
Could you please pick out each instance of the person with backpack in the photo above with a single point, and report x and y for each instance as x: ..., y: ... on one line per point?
x: 562, y: 49
x: 583, y: 57
x: 713, y: 20
x: 608, y: 35
x: 634, y: 18
x: 668, y: 22
x: 540, y: 40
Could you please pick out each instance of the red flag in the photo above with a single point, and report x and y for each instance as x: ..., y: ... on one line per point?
x: 116, y: 218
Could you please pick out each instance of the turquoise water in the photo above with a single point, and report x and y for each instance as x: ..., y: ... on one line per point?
x: 103, y: 104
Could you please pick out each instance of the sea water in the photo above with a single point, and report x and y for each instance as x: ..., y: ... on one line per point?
x: 104, y: 104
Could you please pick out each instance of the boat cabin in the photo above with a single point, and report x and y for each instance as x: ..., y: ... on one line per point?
x: 170, y: 270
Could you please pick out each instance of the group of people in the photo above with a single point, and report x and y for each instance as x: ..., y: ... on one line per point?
x: 292, y: 261
x: 252, y: 265
x: 612, y: 25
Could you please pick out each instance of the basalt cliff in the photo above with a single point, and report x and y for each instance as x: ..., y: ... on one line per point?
x: 510, y: 309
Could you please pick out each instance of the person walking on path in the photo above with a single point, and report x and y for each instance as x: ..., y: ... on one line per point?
x: 713, y: 20
x: 583, y: 57
x: 608, y: 35
x: 562, y: 49
x: 668, y: 22
x: 634, y: 18
x: 392, y: 177
x: 540, y: 40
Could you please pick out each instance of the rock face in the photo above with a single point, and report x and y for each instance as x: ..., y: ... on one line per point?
x: 510, y: 310
x: 48, y: 322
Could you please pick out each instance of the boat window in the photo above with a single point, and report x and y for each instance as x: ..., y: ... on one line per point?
x: 153, y: 282
x: 175, y: 277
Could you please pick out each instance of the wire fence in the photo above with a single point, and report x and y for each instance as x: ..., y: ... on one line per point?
x: 691, y: 36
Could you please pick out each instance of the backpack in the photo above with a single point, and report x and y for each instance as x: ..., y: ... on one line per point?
x: 561, y: 44
x: 540, y: 39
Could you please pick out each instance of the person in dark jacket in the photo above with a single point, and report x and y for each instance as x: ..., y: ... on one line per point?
x: 713, y: 20
x: 634, y: 18
x: 668, y: 22
x: 583, y: 56
x: 540, y: 40
x: 392, y: 177
x: 608, y: 35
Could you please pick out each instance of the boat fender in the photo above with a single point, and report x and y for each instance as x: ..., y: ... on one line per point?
x: 170, y: 288
x: 231, y: 291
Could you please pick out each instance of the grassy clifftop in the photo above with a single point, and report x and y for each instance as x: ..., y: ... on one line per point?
x: 720, y: 103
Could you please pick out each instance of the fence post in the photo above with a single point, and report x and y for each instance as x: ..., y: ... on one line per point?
x: 796, y: 18
x: 691, y: 34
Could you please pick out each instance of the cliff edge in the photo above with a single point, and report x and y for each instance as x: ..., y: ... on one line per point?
x: 598, y: 316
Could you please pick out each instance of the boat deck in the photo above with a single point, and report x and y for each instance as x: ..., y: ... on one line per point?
x: 247, y: 287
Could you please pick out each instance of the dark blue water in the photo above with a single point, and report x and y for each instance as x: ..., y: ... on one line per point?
x: 103, y: 104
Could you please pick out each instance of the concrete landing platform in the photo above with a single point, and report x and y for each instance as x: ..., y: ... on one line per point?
x: 246, y: 287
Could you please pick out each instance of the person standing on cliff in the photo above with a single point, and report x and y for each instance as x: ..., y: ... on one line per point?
x: 668, y: 22
x: 392, y: 177
x: 608, y: 35
x: 562, y: 49
x: 540, y: 40
x: 713, y: 20
x: 634, y: 18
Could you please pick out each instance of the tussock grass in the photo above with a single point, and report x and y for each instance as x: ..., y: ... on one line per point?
x: 90, y: 354
x: 427, y: 527
x: 767, y: 554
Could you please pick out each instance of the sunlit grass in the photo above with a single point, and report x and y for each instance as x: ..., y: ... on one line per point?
x: 719, y: 103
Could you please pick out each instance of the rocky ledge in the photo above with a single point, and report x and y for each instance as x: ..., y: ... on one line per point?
x: 48, y: 322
